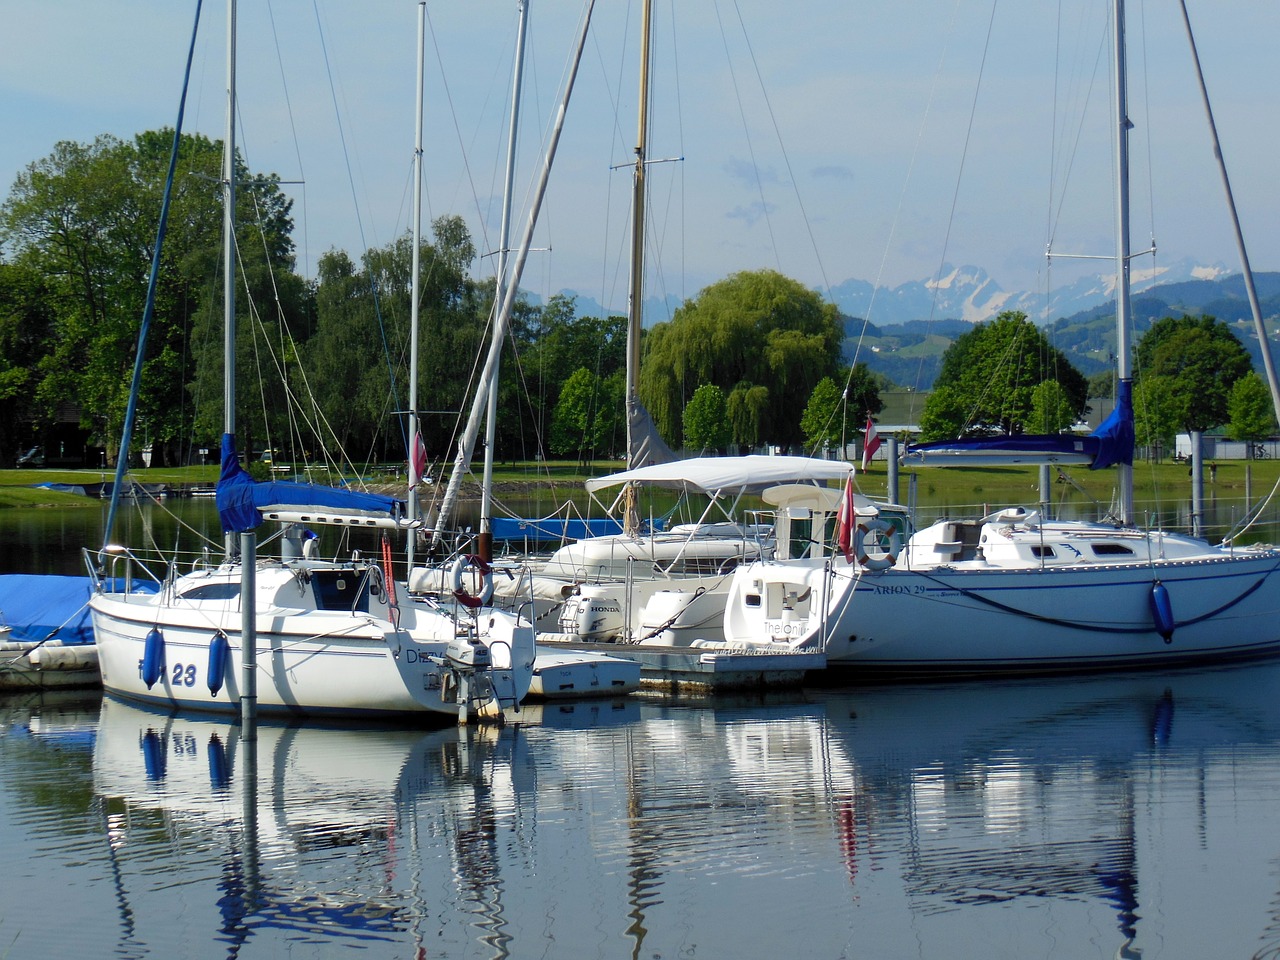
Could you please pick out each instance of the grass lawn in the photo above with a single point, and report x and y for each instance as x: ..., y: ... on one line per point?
x: 956, y: 488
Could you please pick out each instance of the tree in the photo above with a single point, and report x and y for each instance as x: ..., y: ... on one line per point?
x: 752, y: 329
x: 1202, y: 359
x: 26, y: 325
x: 990, y: 375
x: 821, y: 421
x: 1251, y: 412
x: 1050, y: 409
x: 746, y: 406
x: 1155, y: 412
x: 588, y: 420
x: 706, y: 422
x: 85, y: 218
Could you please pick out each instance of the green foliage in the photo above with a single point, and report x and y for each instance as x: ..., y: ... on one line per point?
x: 588, y: 418
x: 747, y: 407
x: 752, y: 329
x: 829, y: 420
x: 1050, y: 409
x: 1202, y: 358
x: 85, y: 219
x: 706, y: 422
x: 821, y: 420
x: 1155, y: 411
x: 1250, y: 409
x: 989, y: 377
x: 945, y: 414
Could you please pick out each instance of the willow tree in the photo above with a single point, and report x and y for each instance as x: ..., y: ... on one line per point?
x: 755, y: 330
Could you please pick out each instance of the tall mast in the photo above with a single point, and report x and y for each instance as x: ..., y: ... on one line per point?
x: 229, y: 249
x: 1123, y: 361
x: 466, y: 445
x: 414, y: 294
x: 491, y: 427
x: 635, y: 299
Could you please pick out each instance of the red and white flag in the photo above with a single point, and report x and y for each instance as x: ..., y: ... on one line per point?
x: 417, y: 461
x: 870, y: 443
x: 846, y: 521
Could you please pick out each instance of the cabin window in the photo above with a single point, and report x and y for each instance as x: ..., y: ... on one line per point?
x: 753, y: 599
x: 1042, y: 551
x: 1111, y: 550
x: 212, y: 591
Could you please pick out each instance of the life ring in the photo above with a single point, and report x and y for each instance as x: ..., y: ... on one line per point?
x: 890, y: 555
x: 457, y: 575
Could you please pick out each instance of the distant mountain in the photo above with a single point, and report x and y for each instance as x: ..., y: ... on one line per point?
x: 971, y: 294
x: 910, y: 353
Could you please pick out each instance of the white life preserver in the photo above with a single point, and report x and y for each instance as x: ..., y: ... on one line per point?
x: 457, y: 576
x: 890, y: 555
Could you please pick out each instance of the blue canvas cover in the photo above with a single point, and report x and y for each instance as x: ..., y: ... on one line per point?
x: 240, y: 497
x: 36, y: 605
x: 553, y: 529
x: 1111, y: 443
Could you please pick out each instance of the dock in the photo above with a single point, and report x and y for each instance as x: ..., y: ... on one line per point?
x: 704, y: 669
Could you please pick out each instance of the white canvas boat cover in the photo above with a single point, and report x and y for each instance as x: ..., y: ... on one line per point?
x: 715, y: 474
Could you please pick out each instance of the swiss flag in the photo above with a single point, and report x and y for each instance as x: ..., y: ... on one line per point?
x: 870, y: 443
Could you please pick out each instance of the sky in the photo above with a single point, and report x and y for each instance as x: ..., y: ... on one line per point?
x: 827, y: 139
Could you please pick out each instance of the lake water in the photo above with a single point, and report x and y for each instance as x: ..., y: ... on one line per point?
x: 1111, y: 816
x: 1093, y: 817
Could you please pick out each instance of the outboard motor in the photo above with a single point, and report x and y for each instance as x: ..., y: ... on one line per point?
x: 592, y: 615
x: 469, y: 664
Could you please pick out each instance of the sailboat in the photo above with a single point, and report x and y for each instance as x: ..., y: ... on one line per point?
x: 645, y: 585
x: 1014, y: 590
x: 295, y: 634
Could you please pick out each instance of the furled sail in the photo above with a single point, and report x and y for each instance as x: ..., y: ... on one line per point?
x: 1110, y: 444
x: 241, y: 499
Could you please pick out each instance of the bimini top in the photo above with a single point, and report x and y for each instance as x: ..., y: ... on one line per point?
x: 714, y: 474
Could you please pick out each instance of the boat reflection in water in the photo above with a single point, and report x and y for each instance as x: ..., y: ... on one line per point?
x: 1109, y: 816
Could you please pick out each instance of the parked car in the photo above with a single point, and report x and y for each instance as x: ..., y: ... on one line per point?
x: 32, y: 458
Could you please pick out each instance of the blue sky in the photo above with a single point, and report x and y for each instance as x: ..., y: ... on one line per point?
x: 824, y: 138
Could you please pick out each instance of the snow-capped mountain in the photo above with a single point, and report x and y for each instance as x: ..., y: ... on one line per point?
x: 970, y: 293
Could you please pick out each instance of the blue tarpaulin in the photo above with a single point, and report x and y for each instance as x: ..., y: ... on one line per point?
x: 36, y: 605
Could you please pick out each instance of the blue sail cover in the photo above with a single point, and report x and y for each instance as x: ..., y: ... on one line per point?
x: 1111, y: 443
x: 240, y: 497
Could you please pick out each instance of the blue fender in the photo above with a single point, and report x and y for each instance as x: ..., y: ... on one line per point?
x: 153, y: 658
x: 219, y: 654
x: 219, y: 764
x: 154, y: 758
x: 1162, y: 611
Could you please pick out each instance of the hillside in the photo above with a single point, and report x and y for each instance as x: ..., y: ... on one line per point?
x: 910, y: 353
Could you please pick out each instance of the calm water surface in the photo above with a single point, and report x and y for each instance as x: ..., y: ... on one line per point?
x: 1095, y: 817
x: 1117, y: 816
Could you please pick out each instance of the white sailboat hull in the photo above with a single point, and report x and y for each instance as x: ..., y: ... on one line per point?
x: 951, y: 620
x: 309, y: 661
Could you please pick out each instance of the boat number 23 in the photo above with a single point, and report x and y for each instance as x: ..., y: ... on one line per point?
x: 180, y: 675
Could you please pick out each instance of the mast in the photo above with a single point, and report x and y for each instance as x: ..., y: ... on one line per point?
x: 416, y: 268
x: 228, y: 250
x: 1123, y: 362
x: 491, y: 427
x: 466, y: 445
x: 635, y: 298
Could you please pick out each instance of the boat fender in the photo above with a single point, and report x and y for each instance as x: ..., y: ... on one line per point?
x: 153, y: 657
x: 882, y: 561
x: 1162, y: 611
x: 219, y: 764
x: 219, y: 650
x: 457, y: 578
x: 155, y: 758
